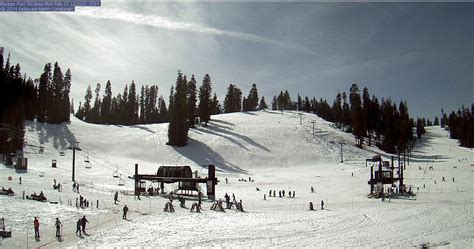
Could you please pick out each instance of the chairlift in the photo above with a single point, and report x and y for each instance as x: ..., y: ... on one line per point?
x: 88, y: 163
x: 116, y: 174
x: 61, y: 153
x: 121, y: 181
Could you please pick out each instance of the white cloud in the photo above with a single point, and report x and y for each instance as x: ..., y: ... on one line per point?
x: 165, y: 23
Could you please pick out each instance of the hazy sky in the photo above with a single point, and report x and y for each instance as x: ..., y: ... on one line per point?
x: 421, y: 52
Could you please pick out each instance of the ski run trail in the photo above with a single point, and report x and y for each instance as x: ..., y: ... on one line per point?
x: 272, y: 148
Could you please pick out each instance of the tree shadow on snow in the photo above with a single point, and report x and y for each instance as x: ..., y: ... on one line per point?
x: 231, y: 136
x: 222, y: 121
x: 202, y: 154
x: 143, y: 128
x: 59, y: 133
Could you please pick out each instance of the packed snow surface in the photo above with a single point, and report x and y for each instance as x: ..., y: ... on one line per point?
x: 272, y: 148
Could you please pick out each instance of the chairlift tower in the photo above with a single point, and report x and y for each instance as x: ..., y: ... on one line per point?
x: 313, y: 122
x: 74, y: 147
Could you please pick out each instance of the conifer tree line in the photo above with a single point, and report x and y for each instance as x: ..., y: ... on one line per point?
x: 460, y: 125
x: 367, y: 118
x: 46, y: 99
x: 126, y: 108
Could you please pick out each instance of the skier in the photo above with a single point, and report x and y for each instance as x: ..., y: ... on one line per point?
x: 58, y: 227
x: 312, y: 189
x: 20, y: 180
x: 125, y: 210
x: 36, y: 223
x: 78, y: 227
x: 322, y: 205
x: 283, y: 192
x: 83, y: 224
x: 226, y: 180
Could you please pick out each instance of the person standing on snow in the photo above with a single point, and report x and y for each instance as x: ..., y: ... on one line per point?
x: 125, y: 211
x: 83, y: 223
x: 36, y: 224
x: 115, y: 197
x: 58, y: 227
x: 78, y: 227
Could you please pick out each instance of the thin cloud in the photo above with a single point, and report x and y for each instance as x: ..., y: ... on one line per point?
x: 162, y: 22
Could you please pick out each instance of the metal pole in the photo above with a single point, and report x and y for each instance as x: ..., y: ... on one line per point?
x: 73, y: 163
x: 74, y: 148
x: 342, y: 154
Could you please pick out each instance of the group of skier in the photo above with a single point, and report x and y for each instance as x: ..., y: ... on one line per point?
x: 281, y: 193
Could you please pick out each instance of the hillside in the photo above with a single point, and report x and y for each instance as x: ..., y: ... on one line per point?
x: 270, y: 147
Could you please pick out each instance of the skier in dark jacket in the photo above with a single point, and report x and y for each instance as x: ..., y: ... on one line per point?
x: 125, y: 211
x: 58, y: 227
x: 115, y: 197
x: 78, y: 227
x: 83, y: 223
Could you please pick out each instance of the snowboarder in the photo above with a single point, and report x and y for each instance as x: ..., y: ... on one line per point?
x: 58, y: 227
x: 78, y: 227
x: 83, y: 224
x: 125, y: 210
x: 36, y: 224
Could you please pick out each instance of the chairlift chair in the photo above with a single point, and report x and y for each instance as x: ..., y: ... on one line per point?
x: 121, y: 181
x: 116, y: 174
x: 88, y: 163
x: 61, y: 153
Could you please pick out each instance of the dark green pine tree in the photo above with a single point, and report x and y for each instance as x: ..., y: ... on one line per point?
x: 132, y: 104
x: 436, y: 121
x: 106, y: 107
x: 245, y: 105
x: 142, y: 105
x: 299, y: 103
x: 205, y: 99
x: 178, y: 129
x: 172, y: 131
x: 123, y: 116
x: 263, y: 105
x: 420, y: 128
x: 366, y: 114
x: 95, y: 112
x: 275, y: 103
x: 192, y: 100
x: 67, y: 106
x: 215, y: 106
x: 84, y: 112
x: 337, y: 110
x: 252, y: 99
x: 53, y: 109
x: 233, y: 99
x: 162, y: 110
x: 43, y: 93
x: 358, y: 128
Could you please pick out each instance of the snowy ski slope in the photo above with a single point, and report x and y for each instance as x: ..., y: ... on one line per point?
x: 272, y: 148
